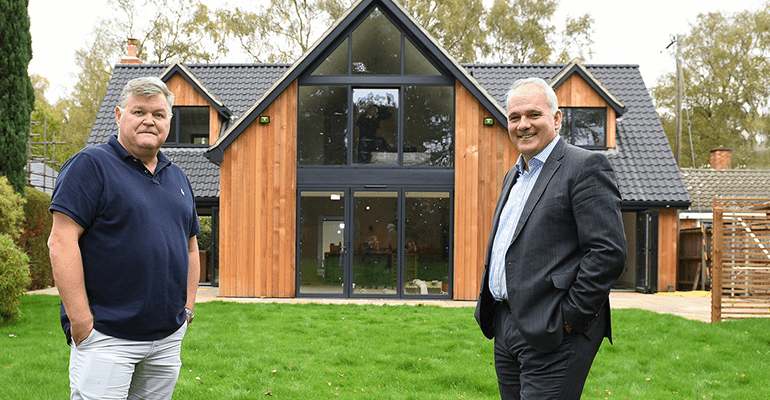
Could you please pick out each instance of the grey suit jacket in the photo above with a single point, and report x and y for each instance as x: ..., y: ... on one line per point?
x: 568, y: 249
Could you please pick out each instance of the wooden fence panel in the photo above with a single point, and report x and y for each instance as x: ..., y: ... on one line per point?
x: 741, y: 259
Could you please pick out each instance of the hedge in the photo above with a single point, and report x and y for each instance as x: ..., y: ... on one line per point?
x: 14, y: 277
x: 34, y: 239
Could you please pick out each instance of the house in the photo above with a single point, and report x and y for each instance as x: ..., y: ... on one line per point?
x: 719, y: 180
x: 371, y: 166
x: 704, y: 185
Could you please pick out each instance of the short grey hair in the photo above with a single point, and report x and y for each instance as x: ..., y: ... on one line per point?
x: 147, y: 86
x: 550, y: 95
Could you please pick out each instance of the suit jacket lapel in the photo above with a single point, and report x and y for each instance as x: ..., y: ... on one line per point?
x: 549, y: 169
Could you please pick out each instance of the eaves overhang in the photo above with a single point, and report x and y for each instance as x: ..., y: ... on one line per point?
x: 636, y: 205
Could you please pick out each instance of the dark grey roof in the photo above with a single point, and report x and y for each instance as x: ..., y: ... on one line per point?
x: 706, y: 184
x: 203, y: 174
x: 647, y: 173
x: 238, y: 86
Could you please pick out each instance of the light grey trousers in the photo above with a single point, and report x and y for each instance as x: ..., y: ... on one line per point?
x: 106, y: 367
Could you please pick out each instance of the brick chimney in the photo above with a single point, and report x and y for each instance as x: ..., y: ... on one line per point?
x: 720, y: 158
x: 130, y: 57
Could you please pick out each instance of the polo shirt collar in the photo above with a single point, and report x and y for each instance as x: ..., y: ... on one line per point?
x: 124, y: 154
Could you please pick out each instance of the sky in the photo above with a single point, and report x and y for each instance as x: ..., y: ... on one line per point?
x: 625, y: 32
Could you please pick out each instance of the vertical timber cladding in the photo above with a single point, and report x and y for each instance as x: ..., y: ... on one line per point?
x: 186, y: 95
x: 258, y: 182
x: 668, y: 249
x: 483, y: 154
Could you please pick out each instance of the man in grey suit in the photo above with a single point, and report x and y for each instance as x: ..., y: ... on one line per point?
x: 556, y: 248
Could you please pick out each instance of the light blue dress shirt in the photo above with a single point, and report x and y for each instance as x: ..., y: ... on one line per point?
x: 509, y: 218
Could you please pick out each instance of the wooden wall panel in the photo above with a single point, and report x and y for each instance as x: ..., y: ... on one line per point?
x: 186, y: 95
x: 575, y: 92
x: 483, y: 154
x: 668, y: 254
x: 258, y: 206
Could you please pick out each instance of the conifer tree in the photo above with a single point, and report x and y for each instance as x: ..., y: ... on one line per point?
x: 17, y: 97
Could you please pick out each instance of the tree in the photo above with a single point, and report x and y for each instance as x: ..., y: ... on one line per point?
x: 454, y: 23
x: 521, y: 31
x: 16, y: 92
x: 176, y: 29
x: 249, y: 29
x: 726, y: 73
x: 47, y: 121
x: 576, y: 39
x: 283, y: 31
x: 82, y: 105
x: 180, y: 30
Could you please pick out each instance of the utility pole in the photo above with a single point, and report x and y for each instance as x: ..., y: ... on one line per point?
x: 678, y: 123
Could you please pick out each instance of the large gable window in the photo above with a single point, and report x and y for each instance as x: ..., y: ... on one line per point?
x: 189, y: 125
x: 584, y: 126
x: 376, y: 100
x: 376, y: 47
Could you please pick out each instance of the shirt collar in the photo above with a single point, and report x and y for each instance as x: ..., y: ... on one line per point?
x: 124, y: 154
x: 538, y: 160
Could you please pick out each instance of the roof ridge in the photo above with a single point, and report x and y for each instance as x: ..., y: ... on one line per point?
x: 550, y: 65
x: 216, y: 65
x: 725, y: 170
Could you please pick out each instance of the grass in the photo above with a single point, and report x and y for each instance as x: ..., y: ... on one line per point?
x: 311, y: 351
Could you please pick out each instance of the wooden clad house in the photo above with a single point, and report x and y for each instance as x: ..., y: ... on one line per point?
x: 371, y: 166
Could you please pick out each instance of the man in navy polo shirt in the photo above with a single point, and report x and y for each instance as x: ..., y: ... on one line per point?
x: 125, y: 255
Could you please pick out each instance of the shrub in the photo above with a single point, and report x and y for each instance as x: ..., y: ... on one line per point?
x: 11, y: 210
x: 204, y: 236
x: 14, y: 277
x: 34, y: 239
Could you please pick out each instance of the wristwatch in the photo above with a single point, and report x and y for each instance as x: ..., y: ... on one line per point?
x: 190, y: 315
x: 566, y: 327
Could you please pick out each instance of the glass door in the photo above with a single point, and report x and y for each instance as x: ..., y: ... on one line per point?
x: 322, y: 249
x: 375, y: 243
x: 427, y: 243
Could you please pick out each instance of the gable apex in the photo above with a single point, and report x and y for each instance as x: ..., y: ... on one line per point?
x: 331, y: 38
x: 576, y: 67
x: 176, y: 67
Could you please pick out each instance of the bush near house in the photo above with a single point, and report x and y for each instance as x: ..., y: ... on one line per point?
x: 34, y: 238
x: 11, y: 210
x: 14, y: 264
x: 14, y: 277
x: 204, y: 236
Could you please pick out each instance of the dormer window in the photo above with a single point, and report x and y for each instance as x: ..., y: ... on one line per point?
x: 189, y: 125
x: 584, y: 126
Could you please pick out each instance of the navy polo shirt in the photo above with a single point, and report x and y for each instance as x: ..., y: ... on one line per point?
x: 135, y: 244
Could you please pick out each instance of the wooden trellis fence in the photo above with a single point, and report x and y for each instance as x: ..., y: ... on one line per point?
x: 741, y: 259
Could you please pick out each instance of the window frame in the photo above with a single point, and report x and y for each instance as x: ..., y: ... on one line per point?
x: 357, y: 81
x: 572, y: 126
x: 174, y: 128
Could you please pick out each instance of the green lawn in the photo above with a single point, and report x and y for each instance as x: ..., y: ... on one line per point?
x: 311, y: 351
